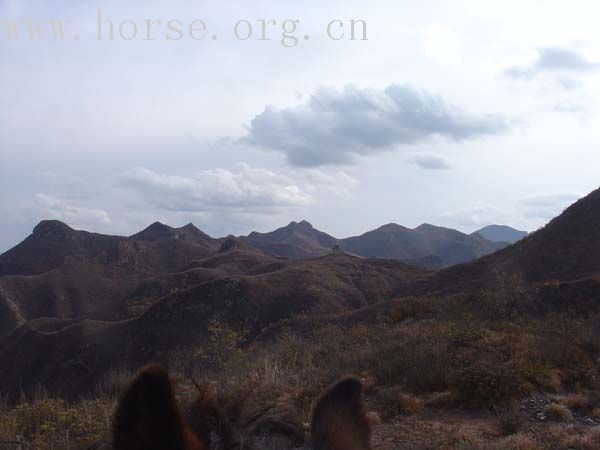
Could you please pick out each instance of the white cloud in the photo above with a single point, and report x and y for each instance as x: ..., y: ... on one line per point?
x: 49, y: 207
x: 478, y: 216
x: 531, y: 210
x: 244, y: 188
x: 337, y: 183
x: 441, y: 45
x: 547, y: 206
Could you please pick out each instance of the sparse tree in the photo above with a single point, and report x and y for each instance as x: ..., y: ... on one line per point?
x: 510, y: 295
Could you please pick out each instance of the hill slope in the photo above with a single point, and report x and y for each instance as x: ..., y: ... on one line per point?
x: 63, y: 273
x: 68, y: 359
x: 566, y: 250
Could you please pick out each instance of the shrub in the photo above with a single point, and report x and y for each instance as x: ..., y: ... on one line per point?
x: 510, y: 297
x: 421, y: 362
x: 576, y: 402
x: 411, y: 308
x: 487, y: 385
x: 224, y: 342
x: 510, y: 423
x: 442, y: 400
x: 394, y: 402
x: 539, y: 372
x: 558, y: 413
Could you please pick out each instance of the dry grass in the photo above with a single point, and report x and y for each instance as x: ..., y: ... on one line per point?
x: 510, y: 423
x: 409, y: 362
x: 49, y: 424
x: 589, y: 441
x: 586, y: 402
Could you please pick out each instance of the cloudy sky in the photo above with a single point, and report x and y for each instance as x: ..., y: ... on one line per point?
x: 459, y: 113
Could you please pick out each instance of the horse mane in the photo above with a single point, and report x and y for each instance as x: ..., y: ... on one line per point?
x: 148, y: 418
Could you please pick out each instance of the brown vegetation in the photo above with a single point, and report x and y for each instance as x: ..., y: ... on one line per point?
x: 502, y: 353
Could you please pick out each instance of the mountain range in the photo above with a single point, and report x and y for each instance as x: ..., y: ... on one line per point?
x: 427, y: 245
x: 54, y: 243
x: 66, y: 274
x: 73, y: 304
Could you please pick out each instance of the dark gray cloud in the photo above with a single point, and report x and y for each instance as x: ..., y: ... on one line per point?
x: 552, y: 59
x: 333, y: 126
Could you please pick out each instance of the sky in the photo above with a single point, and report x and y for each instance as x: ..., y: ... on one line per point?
x: 458, y: 113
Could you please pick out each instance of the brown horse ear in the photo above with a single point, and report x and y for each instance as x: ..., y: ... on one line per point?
x: 340, y: 418
x: 147, y: 417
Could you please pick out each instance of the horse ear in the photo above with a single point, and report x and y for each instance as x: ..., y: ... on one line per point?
x: 340, y: 418
x: 147, y: 416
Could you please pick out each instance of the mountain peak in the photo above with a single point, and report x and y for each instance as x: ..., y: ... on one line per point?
x: 501, y: 233
x: 193, y: 230
x: 51, y: 228
x: 190, y: 227
x: 392, y: 227
x: 154, y: 232
x: 429, y: 228
x: 303, y: 225
x: 232, y: 243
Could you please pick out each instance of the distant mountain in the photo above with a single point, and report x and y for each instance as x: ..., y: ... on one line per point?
x: 296, y: 240
x: 501, y: 233
x: 161, y: 247
x: 50, y: 244
x: 189, y: 233
x: 436, y: 246
x: 426, y: 246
